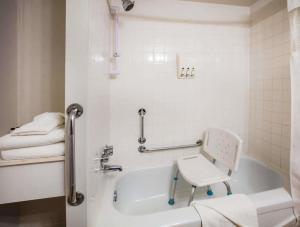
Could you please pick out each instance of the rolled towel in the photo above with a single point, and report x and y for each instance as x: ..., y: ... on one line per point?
x: 9, y: 142
x: 47, y: 151
x: 41, y: 125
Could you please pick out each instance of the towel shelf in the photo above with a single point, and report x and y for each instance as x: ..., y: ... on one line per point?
x: 31, y: 179
x: 4, y: 163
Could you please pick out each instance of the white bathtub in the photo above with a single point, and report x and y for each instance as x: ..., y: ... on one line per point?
x: 142, y: 197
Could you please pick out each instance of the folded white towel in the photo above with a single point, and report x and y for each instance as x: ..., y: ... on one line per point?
x: 233, y: 210
x: 8, y: 142
x: 47, y: 151
x: 42, y: 124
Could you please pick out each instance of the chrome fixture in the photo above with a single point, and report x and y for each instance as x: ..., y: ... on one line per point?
x: 127, y: 5
x: 104, y: 158
x: 187, y: 72
x: 108, y: 151
x: 73, y: 111
x: 142, y: 113
x: 115, y: 197
x: 182, y: 73
x: 112, y: 168
x: 142, y: 139
x: 143, y: 149
x: 193, y: 71
x: 115, y: 9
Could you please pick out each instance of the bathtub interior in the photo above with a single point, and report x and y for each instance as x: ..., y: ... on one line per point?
x: 147, y: 191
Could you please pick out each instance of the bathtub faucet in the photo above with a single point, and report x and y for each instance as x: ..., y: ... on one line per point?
x: 104, y: 158
x: 112, y: 168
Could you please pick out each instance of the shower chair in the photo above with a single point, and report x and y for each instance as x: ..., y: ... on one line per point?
x: 221, y: 146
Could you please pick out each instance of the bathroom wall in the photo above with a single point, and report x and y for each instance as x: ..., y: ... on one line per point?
x: 178, y: 110
x: 41, y: 57
x: 77, y: 58
x: 270, y: 99
x: 32, y: 39
x: 88, y: 55
x: 8, y: 65
x: 98, y: 106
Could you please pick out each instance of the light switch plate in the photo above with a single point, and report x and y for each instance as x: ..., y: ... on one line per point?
x: 186, y: 66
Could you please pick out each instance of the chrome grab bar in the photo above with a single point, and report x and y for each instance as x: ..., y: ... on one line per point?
x: 142, y: 113
x: 142, y: 139
x: 143, y: 149
x: 73, y: 111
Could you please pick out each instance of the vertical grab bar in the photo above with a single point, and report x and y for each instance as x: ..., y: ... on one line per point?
x: 73, y: 111
x: 142, y: 113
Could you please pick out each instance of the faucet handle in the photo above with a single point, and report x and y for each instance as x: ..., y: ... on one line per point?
x: 104, y: 160
x: 108, y: 151
x: 108, y: 147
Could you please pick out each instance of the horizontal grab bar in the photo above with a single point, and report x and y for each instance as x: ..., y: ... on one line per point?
x: 143, y: 149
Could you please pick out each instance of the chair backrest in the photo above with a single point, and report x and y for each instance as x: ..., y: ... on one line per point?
x: 224, y: 146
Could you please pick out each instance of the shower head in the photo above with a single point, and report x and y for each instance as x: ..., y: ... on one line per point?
x: 127, y: 4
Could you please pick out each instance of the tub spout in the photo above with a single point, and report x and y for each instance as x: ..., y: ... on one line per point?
x: 112, y: 168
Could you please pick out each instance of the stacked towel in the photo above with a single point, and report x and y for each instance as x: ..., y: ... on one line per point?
x: 43, y: 137
x: 229, y: 211
x: 41, y: 125
x: 10, y: 141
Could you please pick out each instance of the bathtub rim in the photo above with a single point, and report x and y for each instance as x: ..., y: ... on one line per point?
x: 172, y: 163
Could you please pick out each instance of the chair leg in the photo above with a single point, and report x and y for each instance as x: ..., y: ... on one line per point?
x: 173, y: 189
x: 209, y: 191
x: 229, y: 192
x: 192, y: 194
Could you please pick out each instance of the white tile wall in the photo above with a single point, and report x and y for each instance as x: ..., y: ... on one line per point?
x: 270, y: 104
x: 177, y: 110
x: 97, y: 106
x: 76, y: 78
x: 87, y: 63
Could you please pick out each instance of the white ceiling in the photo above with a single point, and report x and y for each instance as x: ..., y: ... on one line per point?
x: 228, y: 2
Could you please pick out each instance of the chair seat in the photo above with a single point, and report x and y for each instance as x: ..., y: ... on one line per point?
x: 199, y: 171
